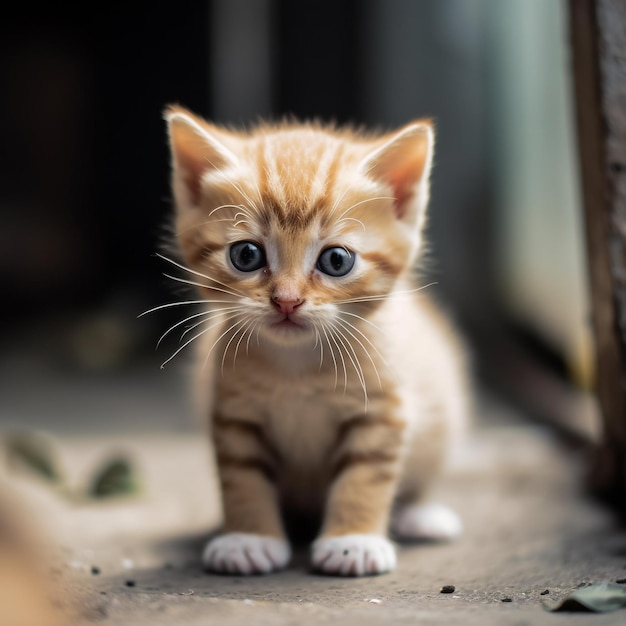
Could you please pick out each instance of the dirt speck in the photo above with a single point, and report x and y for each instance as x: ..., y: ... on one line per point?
x: 447, y: 589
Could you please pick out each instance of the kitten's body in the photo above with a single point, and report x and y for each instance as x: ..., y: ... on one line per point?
x: 301, y: 408
x: 330, y: 395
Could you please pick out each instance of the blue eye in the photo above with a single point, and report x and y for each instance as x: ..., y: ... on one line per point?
x: 336, y: 261
x: 247, y: 256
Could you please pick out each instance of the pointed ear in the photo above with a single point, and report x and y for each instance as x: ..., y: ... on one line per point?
x: 197, y: 147
x: 403, y: 162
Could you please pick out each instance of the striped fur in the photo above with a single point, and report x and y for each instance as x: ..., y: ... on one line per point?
x: 358, y: 405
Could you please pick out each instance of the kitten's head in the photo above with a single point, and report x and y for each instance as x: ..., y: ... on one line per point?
x: 297, y: 225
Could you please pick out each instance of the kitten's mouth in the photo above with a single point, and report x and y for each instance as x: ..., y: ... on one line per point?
x: 288, y: 323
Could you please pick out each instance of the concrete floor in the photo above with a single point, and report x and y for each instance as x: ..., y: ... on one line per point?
x: 528, y: 527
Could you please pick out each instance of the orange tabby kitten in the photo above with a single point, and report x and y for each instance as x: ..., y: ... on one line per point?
x: 333, y: 387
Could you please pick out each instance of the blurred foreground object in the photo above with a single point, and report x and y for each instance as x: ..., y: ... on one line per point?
x: 117, y: 477
x: 27, y: 597
x: 598, y: 30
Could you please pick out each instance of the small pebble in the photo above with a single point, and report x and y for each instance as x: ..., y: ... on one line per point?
x: 375, y: 601
x: 95, y: 570
x: 621, y: 581
x: 130, y: 583
x: 545, y: 592
x: 447, y: 589
x: 506, y: 600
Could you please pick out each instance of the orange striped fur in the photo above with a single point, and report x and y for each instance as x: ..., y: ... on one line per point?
x: 354, y: 401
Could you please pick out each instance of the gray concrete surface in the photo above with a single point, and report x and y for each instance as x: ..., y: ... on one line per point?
x: 528, y: 527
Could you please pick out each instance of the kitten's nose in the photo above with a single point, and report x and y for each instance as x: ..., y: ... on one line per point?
x: 286, y: 307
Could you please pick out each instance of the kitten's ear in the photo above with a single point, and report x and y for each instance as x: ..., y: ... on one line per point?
x: 197, y: 147
x: 403, y: 161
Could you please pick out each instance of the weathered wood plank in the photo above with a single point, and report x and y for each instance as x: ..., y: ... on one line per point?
x: 598, y: 30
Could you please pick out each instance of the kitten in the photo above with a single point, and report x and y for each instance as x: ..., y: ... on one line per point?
x: 334, y: 387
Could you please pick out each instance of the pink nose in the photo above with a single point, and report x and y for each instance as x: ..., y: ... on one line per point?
x: 286, y: 307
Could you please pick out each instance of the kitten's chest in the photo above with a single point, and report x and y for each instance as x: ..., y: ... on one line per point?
x: 300, y: 415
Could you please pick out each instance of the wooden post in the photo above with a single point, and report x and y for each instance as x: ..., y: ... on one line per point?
x: 598, y: 30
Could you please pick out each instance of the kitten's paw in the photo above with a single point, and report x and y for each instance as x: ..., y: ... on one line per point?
x: 244, y: 553
x: 353, y: 555
x: 433, y: 522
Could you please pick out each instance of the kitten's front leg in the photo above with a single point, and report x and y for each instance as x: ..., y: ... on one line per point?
x: 254, y: 540
x: 353, y: 541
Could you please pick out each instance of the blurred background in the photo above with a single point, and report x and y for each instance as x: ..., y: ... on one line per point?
x: 84, y: 174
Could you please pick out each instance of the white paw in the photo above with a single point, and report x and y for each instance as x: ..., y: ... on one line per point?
x: 353, y: 555
x: 244, y: 553
x: 426, y: 522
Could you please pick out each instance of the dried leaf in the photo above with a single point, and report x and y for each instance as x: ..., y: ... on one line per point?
x: 117, y: 477
x: 597, y: 598
x: 34, y: 451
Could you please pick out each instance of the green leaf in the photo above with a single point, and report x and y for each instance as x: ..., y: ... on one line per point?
x: 34, y: 451
x: 117, y: 477
x: 597, y: 598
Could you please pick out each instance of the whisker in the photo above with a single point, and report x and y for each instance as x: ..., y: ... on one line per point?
x: 363, y: 319
x: 226, y: 206
x: 364, y: 335
x: 237, y: 187
x: 171, y: 328
x: 318, y: 339
x: 187, y: 269
x: 379, y: 297
x: 352, y: 219
x: 355, y: 361
x: 245, y: 213
x: 356, y: 204
x: 196, y: 226
x: 191, y: 340
x: 225, y: 318
x: 321, y: 350
x: 193, y: 326
x: 250, y: 337
x: 245, y: 195
x: 222, y: 335
x: 339, y: 200
x: 243, y: 321
x: 243, y: 217
x: 332, y: 352
x: 253, y: 204
x: 345, y: 371
x: 243, y: 334
x: 195, y: 284
x: 369, y: 356
x: 181, y: 303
